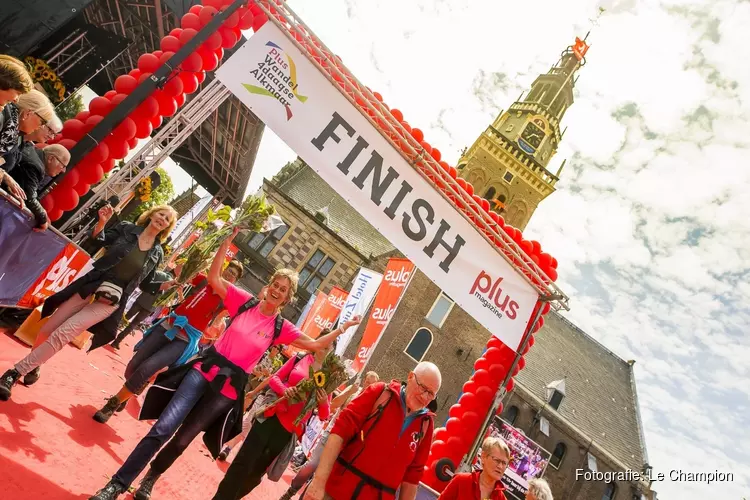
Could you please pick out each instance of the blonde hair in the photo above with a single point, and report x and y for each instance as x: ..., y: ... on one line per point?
x: 293, y: 278
x: 540, y: 489
x: 145, y: 217
x: 372, y: 374
x: 14, y: 75
x: 59, y: 152
x: 495, y: 442
x: 36, y: 102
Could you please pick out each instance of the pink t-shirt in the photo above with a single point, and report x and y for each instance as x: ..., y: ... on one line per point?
x: 248, y: 337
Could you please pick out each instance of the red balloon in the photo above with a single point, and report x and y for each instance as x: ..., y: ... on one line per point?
x: 210, y: 61
x: 485, y: 205
x: 232, y: 20
x: 206, y: 14
x: 246, y: 19
x: 526, y: 246
x: 536, y: 247
x: 187, y: 35
x: 196, y: 9
x: 436, y: 154
x: 456, y: 411
x: 83, y: 115
x: 228, y: 38
x: 439, y: 434
x: 189, y: 82
x: 455, y: 446
x: 125, y: 130
x: 148, y: 63
x: 552, y: 273
x: 144, y: 77
x: 108, y: 165
x: 484, y: 396
x: 100, y: 153
x: 180, y: 100
x: 539, y: 325
x: 118, y: 99
x: 546, y: 308
x: 54, y: 214
x: 522, y: 363
x: 213, y: 41
x: 493, y: 354
x: 201, y: 76
x: 174, y: 86
x: 219, y: 54
x: 497, y: 373
x: 470, y: 189
x: 397, y: 114
x: 148, y: 108
x: 481, y: 377
x: 66, y: 199
x: 143, y: 128
x: 167, y: 106
x: 170, y: 44
x: 82, y: 189
x: 495, y: 342
x: 166, y: 56
x: 426, y: 146
x: 453, y: 172
x: 99, y: 106
x: 470, y: 422
x: 193, y: 63
x: 92, y: 174
x: 125, y: 84
x: 417, y: 134
x: 469, y: 387
x: 259, y: 20
x: 69, y: 181
x: 191, y: 21
x: 176, y: 33
x: 453, y: 425
x: 216, y: 4
x: 158, y: 53
x: 531, y: 341
x: 48, y: 202
x: 468, y: 400
x: 511, y: 385
x: 156, y: 121
x: 92, y: 121
x: 481, y: 363
x: 74, y: 129
x: 132, y: 143
x: 118, y: 149
x: 110, y: 94
x: 67, y: 143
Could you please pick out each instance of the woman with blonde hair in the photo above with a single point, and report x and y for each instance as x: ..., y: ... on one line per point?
x: 15, y: 80
x: 96, y: 301
x: 539, y: 490
x: 207, y: 393
x: 484, y: 484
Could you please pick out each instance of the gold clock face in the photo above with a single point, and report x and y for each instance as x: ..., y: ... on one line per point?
x: 533, y: 135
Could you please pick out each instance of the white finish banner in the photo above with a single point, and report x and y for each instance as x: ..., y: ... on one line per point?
x: 363, y: 291
x: 285, y: 90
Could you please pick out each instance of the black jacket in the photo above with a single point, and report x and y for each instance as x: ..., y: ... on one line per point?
x: 29, y: 174
x: 119, y: 241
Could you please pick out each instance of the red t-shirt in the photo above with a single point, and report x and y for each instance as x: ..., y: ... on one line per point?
x: 201, y: 307
x: 465, y: 486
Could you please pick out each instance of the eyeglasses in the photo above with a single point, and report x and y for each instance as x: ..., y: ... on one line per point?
x: 424, y: 388
x: 59, y: 161
x: 42, y: 120
x: 498, y: 461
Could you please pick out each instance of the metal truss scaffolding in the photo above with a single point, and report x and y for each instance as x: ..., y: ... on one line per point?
x: 159, y: 147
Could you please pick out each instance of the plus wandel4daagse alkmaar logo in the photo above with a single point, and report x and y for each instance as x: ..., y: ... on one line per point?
x: 276, y: 76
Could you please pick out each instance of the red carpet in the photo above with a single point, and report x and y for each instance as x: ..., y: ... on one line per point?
x: 51, y: 448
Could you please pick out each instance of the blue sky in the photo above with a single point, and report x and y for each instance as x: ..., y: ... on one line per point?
x: 650, y: 221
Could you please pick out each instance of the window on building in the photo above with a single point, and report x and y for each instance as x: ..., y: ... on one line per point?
x: 440, y: 310
x: 490, y: 194
x: 508, y: 177
x: 556, y: 399
x: 263, y: 243
x: 315, y: 271
x: 420, y: 343
x: 511, y: 414
x: 557, y: 456
x: 610, y: 491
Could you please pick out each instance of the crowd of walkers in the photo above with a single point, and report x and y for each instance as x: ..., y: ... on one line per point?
x: 212, y: 362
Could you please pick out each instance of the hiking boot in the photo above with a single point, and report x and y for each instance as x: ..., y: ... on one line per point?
x: 224, y: 453
x: 144, y: 490
x: 7, y: 381
x: 111, y: 491
x: 107, y: 410
x: 289, y: 493
x: 32, y: 376
x: 122, y: 406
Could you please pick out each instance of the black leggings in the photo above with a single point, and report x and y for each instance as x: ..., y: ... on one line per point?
x: 156, y: 352
x: 263, y: 444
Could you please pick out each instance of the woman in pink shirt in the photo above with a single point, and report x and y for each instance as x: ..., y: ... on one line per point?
x: 207, y: 393
x: 273, y: 431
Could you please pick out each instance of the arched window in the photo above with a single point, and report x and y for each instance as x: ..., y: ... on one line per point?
x: 490, y: 194
x: 419, y: 344
x: 557, y: 456
x: 610, y: 491
x: 511, y: 415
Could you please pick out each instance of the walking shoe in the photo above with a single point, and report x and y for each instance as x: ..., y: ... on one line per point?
x: 224, y: 453
x: 144, y: 490
x: 7, y: 381
x: 111, y: 491
x: 122, y: 406
x: 107, y: 410
x: 32, y: 376
x: 289, y: 493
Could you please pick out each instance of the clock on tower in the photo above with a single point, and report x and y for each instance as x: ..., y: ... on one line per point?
x: 531, y: 138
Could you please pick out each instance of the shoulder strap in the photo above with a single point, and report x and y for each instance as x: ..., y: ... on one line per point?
x: 243, y: 308
x: 377, y: 411
x: 278, y: 326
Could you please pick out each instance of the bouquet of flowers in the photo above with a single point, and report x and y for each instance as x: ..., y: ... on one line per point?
x: 331, y: 375
x: 46, y: 77
x: 251, y: 216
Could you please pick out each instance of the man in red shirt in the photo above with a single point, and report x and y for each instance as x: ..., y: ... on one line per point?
x: 380, y: 441
x: 173, y: 340
x: 484, y: 484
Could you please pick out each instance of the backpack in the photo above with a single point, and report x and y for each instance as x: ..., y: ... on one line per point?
x: 250, y: 304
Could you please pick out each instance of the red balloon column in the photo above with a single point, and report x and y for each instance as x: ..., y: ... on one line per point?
x: 163, y: 103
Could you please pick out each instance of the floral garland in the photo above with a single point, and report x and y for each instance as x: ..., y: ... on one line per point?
x: 45, y: 76
x: 144, y: 189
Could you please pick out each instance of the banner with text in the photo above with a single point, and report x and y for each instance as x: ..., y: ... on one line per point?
x: 324, y: 312
x: 282, y: 87
x: 70, y: 264
x: 395, y: 279
x: 364, y: 288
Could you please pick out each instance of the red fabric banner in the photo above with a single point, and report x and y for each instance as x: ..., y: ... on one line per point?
x: 395, y: 279
x: 323, y: 313
x: 66, y: 267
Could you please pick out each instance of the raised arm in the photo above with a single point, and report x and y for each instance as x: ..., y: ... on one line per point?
x: 314, y: 345
x: 218, y: 283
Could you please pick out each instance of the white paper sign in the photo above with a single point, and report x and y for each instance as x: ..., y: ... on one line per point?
x: 285, y: 90
x: 363, y: 291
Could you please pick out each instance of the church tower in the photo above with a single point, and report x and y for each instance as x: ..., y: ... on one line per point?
x: 508, y: 163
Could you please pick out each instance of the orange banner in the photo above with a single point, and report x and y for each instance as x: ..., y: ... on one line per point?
x: 396, y: 277
x: 66, y: 267
x: 324, y: 316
